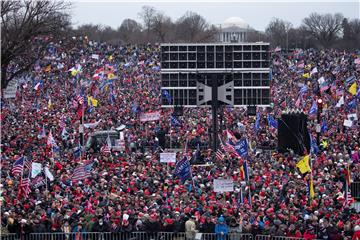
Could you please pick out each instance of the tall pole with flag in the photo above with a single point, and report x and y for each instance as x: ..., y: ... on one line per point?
x: 82, y: 127
x: 319, y: 110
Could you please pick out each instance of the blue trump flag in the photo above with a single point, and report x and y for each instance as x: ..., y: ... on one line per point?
x: 241, y: 147
x: 183, y: 169
x: 77, y: 152
x: 257, y: 122
x: 314, y: 149
x: 314, y: 108
x: 303, y: 90
x: 324, y: 127
x: 134, y: 108
x: 350, y: 80
x: 272, y: 122
x: 166, y: 94
x: 352, y: 104
x: 174, y: 121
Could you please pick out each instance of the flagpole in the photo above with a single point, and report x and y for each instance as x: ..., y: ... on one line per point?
x: 82, y: 132
x: 22, y: 175
x: 347, y: 183
x: 241, y: 194
x: 46, y: 183
x: 347, y: 192
x: 250, y: 200
x: 191, y: 174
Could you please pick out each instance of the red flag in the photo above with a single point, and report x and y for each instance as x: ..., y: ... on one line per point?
x: 283, y: 104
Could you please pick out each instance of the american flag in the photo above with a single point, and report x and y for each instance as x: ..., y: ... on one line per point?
x: 19, y: 164
x: 80, y: 99
x: 331, y: 131
x: 105, y: 149
x: 25, y: 186
x: 219, y: 153
x: 62, y: 123
x: 348, y: 199
x: 81, y: 172
x: 230, y: 148
x: 28, y: 163
x: 51, y: 140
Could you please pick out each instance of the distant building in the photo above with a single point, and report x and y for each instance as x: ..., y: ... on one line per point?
x: 234, y: 29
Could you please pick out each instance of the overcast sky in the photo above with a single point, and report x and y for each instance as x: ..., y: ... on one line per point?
x: 256, y: 13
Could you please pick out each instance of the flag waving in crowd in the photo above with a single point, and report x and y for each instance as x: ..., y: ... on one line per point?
x: 85, y: 147
x: 183, y: 169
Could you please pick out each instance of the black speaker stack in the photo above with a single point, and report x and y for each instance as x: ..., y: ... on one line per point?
x: 293, y: 134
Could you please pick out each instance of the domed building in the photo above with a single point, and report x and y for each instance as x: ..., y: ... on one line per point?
x: 234, y: 29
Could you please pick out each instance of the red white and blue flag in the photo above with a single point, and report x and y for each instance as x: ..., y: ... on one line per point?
x: 82, y: 172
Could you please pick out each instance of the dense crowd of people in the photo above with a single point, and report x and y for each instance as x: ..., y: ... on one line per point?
x: 131, y: 191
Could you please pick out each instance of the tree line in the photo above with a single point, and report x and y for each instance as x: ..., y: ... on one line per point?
x: 27, y: 27
x: 156, y: 27
x: 316, y: 31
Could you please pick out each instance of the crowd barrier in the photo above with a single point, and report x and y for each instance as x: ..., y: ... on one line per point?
x: 355, y: 190
x: 123, y: 236
x: 267, y: 237
x: 140, y: 236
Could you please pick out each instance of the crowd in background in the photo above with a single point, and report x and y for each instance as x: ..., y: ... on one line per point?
x: 132, y: 191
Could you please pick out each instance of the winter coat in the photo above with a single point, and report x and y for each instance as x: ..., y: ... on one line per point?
x: 100, y: 228
x: 207, y: 227
x: 39, y: 228
x: 356, y: 235
x: 179, y: 226
x: 190, y: 229
x: 221, y: 230
x: 309, y: 236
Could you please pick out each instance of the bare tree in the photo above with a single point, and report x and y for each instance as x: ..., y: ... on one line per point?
x: 27, y: 27
x: 192, y: 27
x: 130, y: 31
x: 351, y: 35
x: 256, y: 36
x: 278, y: 32
x: 325, y: 28
x: 147, y: 15
x: 161, y: 26
x: 92, y: 31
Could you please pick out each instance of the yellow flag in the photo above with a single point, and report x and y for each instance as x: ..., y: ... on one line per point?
x: 94, y: 102
x: 74, y: 72
x: 89, y: 99
x: 303, y: 165
x: 324, y: 144
x: 111, y: 76
x: 306, y: 75
x: 110, y: 58
x: 48, y: 68
x: 49, y: 104
x: 352, y: 89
